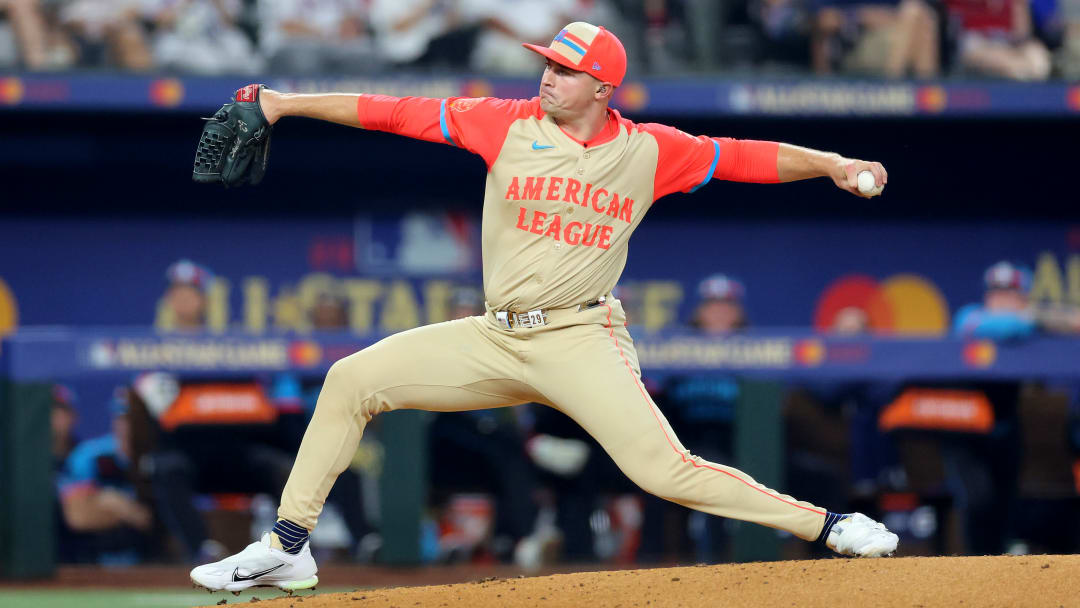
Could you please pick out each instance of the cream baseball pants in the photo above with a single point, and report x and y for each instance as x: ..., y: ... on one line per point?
x: 582, y: 363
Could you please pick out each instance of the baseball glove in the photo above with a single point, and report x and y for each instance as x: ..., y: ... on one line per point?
x: 235, y: 142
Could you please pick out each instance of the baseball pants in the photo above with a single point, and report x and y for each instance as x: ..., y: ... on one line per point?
x: 581, y: 363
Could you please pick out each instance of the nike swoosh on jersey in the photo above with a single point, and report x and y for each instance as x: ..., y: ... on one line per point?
x: 537, y: 146
x: 254, y: 575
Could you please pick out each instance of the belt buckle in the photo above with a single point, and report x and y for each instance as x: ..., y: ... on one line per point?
x: 591, y: 303
x: 503, y: 318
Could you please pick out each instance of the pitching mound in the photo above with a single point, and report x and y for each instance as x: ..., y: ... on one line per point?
x: 1033, y: 580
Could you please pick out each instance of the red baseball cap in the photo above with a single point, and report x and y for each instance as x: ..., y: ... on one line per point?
x: 587, y: 48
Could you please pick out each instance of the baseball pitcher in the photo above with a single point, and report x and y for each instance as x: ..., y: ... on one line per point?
x: 569, y: 180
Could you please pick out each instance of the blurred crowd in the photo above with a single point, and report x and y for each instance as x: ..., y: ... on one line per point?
x: 191, y: 470
x: 1012, y: 39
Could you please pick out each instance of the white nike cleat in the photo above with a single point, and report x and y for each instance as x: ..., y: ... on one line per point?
x: 259, y: 565
x: 859, y: 536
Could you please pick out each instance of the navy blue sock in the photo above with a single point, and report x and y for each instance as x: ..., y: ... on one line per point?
x: 292, y: 536
x: 830, y: 520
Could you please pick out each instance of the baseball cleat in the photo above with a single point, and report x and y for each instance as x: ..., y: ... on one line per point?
x: 259, y: 565
x: 859, y: 536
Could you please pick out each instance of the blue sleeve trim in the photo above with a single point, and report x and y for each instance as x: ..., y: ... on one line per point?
x: 443, y: 126
x: 712, y: 167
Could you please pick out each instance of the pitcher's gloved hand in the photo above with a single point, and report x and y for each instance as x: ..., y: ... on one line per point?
x: 235, y: 143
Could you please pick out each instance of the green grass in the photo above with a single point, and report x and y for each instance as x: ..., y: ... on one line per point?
x: 138, y: 598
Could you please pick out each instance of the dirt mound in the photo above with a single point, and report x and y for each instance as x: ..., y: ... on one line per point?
x: 1033, y: 580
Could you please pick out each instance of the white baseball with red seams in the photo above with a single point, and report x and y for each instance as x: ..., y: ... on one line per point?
x: 868, y: 184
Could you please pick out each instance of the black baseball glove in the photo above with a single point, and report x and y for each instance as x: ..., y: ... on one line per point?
x: 235, y: 142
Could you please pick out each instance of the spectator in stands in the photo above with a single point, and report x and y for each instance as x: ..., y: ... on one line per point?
x: 97, y: 496
x: 404, y: 28
x: 659, y: 28
x: 1068, y: 56
x: 428, y: 33
x: 22, y: 34
x: 62, y: 423
x: 996, y: 38
x: 185, y: 298
x: 1006, y: 312
x: 783, y: 31
x: 107, y: 33
x: 889, y: 38
x: 720, y: 310
x: 200, y: 36
x: 1048, y: 21
x: 315, y: 36
x: 915, y: 48
x: 33, y: 37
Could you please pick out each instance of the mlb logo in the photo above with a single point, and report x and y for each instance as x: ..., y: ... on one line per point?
x: 596, y: 66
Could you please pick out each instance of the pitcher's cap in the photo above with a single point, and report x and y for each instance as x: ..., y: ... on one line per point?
x: 587, y: 48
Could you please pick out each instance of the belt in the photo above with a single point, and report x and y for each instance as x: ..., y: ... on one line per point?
x: 537, y: 317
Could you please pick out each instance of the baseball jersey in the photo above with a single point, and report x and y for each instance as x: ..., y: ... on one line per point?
x: 558, y: 212
x: 94, y: 464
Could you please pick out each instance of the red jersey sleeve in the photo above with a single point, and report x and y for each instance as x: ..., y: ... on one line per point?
x: 686, y: 163
x: 477, y: 124
x: 416, y: 117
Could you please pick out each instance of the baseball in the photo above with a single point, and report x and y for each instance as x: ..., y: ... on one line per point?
x: 867, y: 184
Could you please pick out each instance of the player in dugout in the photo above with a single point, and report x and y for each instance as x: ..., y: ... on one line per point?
x: 569, y: 179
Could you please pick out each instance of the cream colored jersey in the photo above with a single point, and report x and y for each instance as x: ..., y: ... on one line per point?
x: 558, y: 212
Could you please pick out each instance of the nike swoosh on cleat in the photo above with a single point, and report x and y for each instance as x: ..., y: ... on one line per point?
x: 537, y: 146
x: 254, y: 575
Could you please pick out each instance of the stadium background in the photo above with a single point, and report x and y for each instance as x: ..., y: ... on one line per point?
x: 96, y: 204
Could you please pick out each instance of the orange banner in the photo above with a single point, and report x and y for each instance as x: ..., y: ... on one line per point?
x: 939, y: 409
x: 219, y: 404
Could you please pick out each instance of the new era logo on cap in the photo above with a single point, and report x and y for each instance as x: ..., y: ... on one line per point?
x: 596, y: 66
